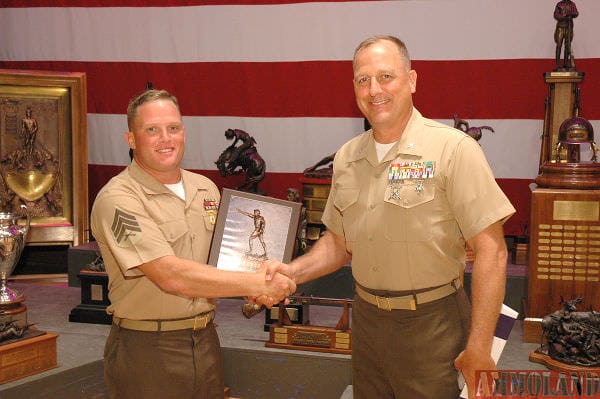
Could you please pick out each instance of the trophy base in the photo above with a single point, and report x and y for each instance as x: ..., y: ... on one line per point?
x: 310, y: 338
x: 15, y: 312
x: 540, y: 356
x: 582, y: 176
x: 32, y: 354
x: 94, y: 299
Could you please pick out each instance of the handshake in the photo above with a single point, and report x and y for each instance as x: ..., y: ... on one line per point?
x: 277, y: 284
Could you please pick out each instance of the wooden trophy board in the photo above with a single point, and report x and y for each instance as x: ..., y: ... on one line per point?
x: 310, y: 338
x: 27, y: 357
x: 286, y: 335
x: 564, y: 253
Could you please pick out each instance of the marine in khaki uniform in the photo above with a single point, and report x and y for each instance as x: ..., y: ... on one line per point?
x: 405, y: 196
x: 154, y: 223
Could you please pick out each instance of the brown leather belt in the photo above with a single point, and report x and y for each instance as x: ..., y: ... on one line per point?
x: 408, y: 302
x: 197, y: 322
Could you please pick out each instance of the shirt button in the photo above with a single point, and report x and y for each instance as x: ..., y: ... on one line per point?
x: 372, y: 206
x: 375, y: 268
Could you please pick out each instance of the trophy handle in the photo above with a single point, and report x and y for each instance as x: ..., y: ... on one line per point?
x: 25, y: 228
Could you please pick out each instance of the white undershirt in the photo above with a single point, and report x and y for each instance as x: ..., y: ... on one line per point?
x: 383, y: 149
x: 177, y: 188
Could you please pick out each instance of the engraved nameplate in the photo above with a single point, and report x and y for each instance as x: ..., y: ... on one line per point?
x: 576, y: 210
x: 312, y: 339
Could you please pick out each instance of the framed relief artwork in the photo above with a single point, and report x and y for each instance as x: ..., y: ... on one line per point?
x: 43, y: 153
x: 251, y: 228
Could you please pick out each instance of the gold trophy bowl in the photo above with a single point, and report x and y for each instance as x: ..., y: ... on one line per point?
x: 30, y: 185
x: 12, y: 242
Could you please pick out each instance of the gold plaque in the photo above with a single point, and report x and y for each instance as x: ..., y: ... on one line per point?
x: 588, y: 211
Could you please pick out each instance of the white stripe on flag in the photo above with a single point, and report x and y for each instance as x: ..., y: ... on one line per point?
x: 433, y: 30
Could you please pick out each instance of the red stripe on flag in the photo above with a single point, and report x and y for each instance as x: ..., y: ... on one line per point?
x: 152, y: 3
x: 485, y: 89
x: 276, y: 185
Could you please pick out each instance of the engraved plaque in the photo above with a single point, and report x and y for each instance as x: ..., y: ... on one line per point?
x: 576, y: 210
x: 311, y: 338
x: 96, y: 293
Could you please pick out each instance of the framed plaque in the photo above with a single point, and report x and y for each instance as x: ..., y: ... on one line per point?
x: 43, y: 153
x: 252, y: 228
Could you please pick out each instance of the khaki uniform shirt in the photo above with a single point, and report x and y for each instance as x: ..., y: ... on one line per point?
x: 136, y: 219
x: 405, y: 218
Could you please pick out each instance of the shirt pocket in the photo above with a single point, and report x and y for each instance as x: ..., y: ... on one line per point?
x: 210, y: 218
x: 410, y: 208
x: 346, y: 202
x: 173, y: 230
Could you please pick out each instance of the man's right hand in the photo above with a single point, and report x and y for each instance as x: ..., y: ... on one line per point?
x: 277, y: 286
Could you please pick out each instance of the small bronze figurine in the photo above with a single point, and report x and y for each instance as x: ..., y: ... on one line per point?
x: 259, y: 230
x: 476, y: 132
x: 322, y: 169
x: 564, y: 13
x: 242, y: 159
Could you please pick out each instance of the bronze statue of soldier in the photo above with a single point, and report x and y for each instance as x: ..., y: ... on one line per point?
x: 564, y: 13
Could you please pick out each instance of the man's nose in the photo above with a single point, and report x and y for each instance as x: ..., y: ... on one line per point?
x: 163, y: 133
x: 374, y: 87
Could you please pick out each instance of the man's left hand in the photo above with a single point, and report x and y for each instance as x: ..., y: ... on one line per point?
x: 470, y: 361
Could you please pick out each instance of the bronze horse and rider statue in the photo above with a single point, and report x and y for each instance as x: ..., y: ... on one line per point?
x: 244, y: 158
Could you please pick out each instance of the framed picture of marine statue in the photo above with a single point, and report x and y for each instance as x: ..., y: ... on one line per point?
x: 43, y: 153
x: 252, y: 228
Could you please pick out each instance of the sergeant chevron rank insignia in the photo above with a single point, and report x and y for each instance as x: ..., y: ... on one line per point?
x: 125, y: 228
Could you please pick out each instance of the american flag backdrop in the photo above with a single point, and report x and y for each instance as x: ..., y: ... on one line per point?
x: 281, y: 70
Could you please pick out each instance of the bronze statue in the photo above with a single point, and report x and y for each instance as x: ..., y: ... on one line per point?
x: 476, y: 132
x: 322, y: 169
x: 243, y: 158
x: 259, y: 230
x: 573, y: 337
x: 97, y: 265
x: 564, y: 13
x: 29, y: 129
x: 10, y: 330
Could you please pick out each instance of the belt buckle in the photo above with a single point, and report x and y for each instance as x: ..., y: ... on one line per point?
x: 384, y: 300
x: 200, y: 322
x: 413, y: 303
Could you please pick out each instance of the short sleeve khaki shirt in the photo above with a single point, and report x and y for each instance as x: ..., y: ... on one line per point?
x: 405, y: 219
x: 135, y: 219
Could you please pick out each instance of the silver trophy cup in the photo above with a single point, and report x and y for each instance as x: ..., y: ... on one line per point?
x: 12, y: 242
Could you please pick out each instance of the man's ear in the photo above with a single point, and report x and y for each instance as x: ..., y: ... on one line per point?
x: 130, y: 138
x: 412, y: 78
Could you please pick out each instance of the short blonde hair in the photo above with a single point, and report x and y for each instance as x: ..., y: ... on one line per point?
x: 145, y: 97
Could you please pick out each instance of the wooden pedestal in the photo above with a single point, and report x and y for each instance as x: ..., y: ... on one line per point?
x: 94, y: 299
x: 27, y: 357
x: 560, y: 104
x: 564, y: 250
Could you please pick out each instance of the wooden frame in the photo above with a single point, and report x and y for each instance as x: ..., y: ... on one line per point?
x: 234, y: 247
x: 57, y: 103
